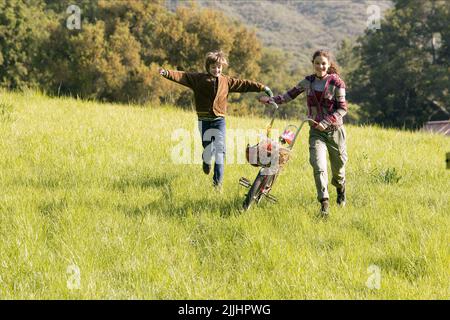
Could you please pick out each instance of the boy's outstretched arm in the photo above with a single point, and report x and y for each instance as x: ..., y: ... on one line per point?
x: 180, y: 77
x: 238, y: 85
x: 163, y: 72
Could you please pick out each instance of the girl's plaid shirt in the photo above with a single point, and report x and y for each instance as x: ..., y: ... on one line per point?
x: 325, y: 99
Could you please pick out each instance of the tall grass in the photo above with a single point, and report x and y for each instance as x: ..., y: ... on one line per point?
x: 92, y: 206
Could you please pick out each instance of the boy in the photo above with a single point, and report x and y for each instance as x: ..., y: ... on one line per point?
x: 210, y: 92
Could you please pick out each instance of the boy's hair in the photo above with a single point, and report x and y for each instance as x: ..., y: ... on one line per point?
x: 215, y: 57
x: 327, y: 54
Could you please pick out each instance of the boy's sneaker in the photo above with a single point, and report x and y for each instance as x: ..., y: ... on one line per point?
x: 217, y: 187
x: 206, y: 168
x: 324, y: 207
x: 341, y: 196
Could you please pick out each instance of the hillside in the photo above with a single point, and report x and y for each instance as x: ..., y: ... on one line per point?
x: 95, y: 206
x: 299, y: 27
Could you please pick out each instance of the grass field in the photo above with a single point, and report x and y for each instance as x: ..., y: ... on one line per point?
x: 92, y: 206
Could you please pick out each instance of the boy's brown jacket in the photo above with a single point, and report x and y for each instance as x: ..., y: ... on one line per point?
x: 210, y: 102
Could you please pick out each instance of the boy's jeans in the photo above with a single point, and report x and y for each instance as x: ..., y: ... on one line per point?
x: 319, y: 143
x: 213, y: 141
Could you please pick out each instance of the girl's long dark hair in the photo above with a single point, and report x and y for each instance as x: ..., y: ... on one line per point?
x: 334, y: 68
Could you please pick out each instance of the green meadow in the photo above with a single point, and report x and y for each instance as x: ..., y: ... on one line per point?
x: 94, y: 206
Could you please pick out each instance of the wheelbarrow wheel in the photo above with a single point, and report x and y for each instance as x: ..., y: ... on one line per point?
x: 255, y: 192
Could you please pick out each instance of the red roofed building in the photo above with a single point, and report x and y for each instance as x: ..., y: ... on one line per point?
x: 442, y: 127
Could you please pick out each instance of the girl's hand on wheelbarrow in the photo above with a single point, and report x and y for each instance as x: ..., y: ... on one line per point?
x: 265, y: 99
x: 320, y: 127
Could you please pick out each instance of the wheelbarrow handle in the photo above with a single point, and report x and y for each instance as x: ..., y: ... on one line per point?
x: 269, y: 126
x: 310, y: 120
x: 274, y: 104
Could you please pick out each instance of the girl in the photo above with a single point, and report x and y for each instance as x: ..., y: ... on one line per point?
x: 326, y: 104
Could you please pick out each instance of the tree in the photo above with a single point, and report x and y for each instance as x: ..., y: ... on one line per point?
x: 23, y: 27
x: 115, y: 54
x: 111, y: 56
x: 402, y: 77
